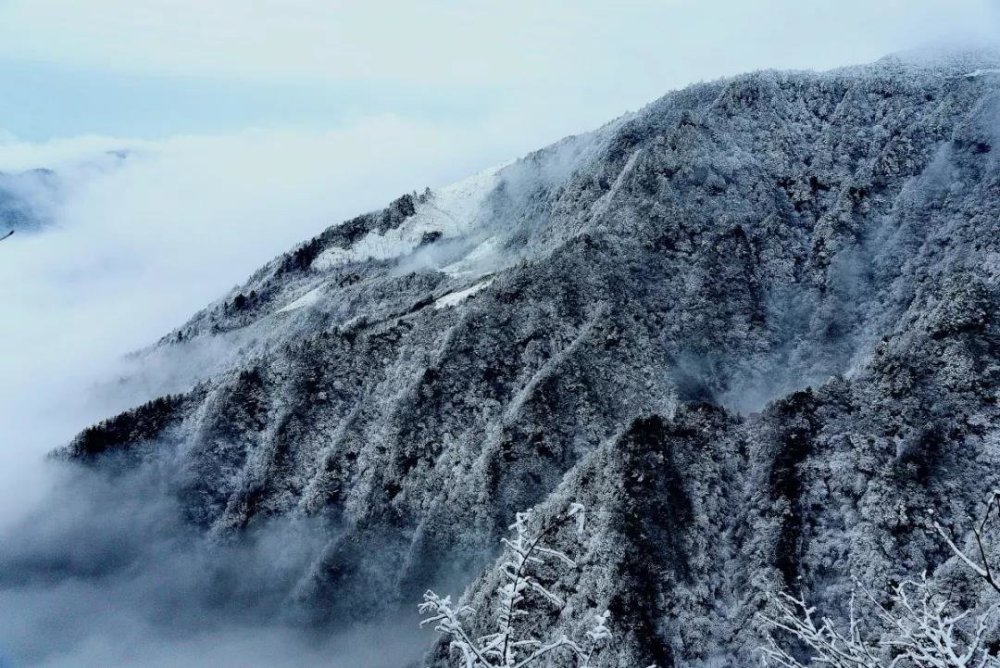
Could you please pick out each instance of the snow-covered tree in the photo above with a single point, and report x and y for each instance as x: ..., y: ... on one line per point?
x: 923, y: 629
x: 508, y: 646
x: 918, y: 627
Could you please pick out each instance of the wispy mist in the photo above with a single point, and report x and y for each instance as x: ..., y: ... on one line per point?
x: 106, y: 572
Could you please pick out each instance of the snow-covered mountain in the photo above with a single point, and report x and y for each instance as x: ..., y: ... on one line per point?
x: 753, y: 328
x: 22, y: 198
x: 29, y: 198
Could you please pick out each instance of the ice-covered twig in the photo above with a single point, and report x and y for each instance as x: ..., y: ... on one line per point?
x: 919, y: 628
x: 983, y: 570
x: 501, y: 649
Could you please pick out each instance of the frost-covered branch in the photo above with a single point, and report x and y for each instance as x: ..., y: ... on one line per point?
x: 920, y: 630
x: 917, y: 628
x: 829, y: 646
x: 503, y: 649
x: 445, y: 618
x: 924, y: 631
x: 983, y: 570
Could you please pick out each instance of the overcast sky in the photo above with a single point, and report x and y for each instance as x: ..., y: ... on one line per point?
x: 155, y: 68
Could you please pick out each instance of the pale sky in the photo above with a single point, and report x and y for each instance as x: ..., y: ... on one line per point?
x: 156, y: 68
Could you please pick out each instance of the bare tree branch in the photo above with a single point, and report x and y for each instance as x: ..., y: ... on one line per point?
x: 918, y: 628
x: 501, y: 649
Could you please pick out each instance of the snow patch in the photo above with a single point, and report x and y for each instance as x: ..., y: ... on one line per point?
x: 453, y: 298
x: 372, y: 246
x: 308, y: 299
x: 479, y: 257
x: 601, y: 205
x: 452, y: 211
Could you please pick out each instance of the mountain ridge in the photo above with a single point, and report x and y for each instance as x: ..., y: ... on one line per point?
x: 752, y: 327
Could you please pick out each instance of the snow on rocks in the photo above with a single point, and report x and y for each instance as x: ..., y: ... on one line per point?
x: 308, y: 299
x: 451, y: 212
x: 453, y: 298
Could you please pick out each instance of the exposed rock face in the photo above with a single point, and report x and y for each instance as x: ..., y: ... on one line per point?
x: 597, y: 322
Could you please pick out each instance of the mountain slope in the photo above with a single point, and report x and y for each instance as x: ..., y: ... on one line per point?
x: 601, y: 321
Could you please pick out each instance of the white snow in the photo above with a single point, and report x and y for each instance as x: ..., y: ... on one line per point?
x: 453, y: 211
x: 453, y: 298
x: 601, y: 205
x: 982, y: 72
x: 479, y: 257
x: 370, y: 247
x: 308, y: 299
